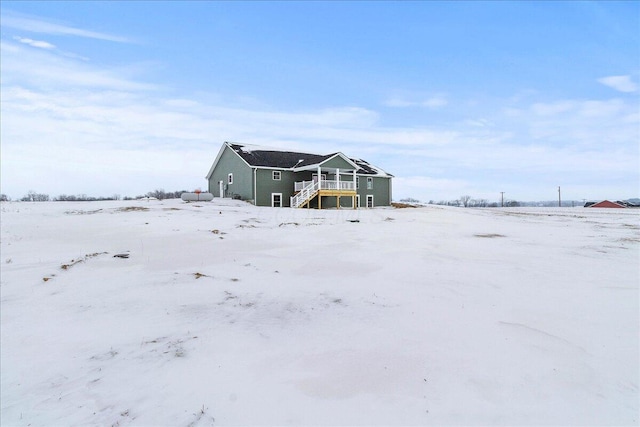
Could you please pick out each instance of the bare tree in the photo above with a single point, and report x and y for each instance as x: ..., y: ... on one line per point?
x: 410, y: 200
x: 478, y: 203
x: 32, y: 196
x: 465, y: 200
x: 158, y: 194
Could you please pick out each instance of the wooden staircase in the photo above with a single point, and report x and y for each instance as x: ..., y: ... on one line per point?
x: 304, y: 196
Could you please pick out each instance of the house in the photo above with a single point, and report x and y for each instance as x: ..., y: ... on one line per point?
x: 282, y: 178
x: 606, y: 204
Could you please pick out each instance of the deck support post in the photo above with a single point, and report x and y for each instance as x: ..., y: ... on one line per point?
x: 319, y: 187
x: 355, y: 188
x: 338, y: 187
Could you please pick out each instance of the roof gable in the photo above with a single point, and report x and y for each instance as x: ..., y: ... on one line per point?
x: 330, y: 161
x: 607, y: 204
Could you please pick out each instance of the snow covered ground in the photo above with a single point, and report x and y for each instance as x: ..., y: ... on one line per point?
x: 230, y: 314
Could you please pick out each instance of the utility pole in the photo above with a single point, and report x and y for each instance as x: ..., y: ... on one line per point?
x: 559, y: 200
x: 502, y: 199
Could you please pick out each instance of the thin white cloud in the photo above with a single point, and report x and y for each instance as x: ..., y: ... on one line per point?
x: 44, y: 45
x: 587, y: 124
x: 42, y: 26
x: 43, y: 68
x: 417, y: 186
x: 433, y: 102
x: 399, y: 103
x: 35, y: 43
x: 552, y: 108
x: 481, y: 123
x: 620, y: 83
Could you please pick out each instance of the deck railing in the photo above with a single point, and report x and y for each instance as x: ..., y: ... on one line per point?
x: 298, y: 186
x: 304, y: 194
x: 326, y: 185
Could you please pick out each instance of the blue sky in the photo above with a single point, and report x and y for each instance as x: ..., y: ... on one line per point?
x: 452, y: 98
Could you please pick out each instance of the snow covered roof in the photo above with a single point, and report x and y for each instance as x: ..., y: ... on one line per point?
x: 274, y: 158
x: 281, y: 158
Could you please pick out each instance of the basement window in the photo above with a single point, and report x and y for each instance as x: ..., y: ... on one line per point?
x: 277, y: 175
x: 230, y: 179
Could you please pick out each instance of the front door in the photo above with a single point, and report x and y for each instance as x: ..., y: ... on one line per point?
x: 369, y: 200
x: 276, y: 200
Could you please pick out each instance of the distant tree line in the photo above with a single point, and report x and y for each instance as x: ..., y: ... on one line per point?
x: 160, y: 194
x: 33, y: 196
x: 469, y: 202
x: 83, y: 198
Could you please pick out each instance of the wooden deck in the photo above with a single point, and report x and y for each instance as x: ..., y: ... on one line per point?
x: 307, y: 191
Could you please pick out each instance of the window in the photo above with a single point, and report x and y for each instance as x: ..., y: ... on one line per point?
x: 276, y: 200
x: 277, y: 175
x: 357, y: 182
x: 369, y: 183
x: 357, y: 200
x: 230, y: 179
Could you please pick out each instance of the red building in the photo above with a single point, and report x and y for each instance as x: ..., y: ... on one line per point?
x: 607, y: 204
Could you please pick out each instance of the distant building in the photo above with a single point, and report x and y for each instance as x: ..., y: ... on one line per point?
x: 605, y: 204
x: 283, y: 178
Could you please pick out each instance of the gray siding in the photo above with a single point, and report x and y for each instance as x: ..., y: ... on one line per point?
x: 381, y: 190
x: 337, y: 162
x: 267, y: 185
x: 242, y: 185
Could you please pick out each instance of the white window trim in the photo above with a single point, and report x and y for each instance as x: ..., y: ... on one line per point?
x: 278, y: 174
x: 370, y: 197
x: 273, y: 196
x: 369, y: 183
x: 230, y: 178
x: 357, y: 182
x: 357, y: 200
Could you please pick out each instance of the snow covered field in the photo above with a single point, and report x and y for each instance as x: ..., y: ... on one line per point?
x: 230, y: 314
